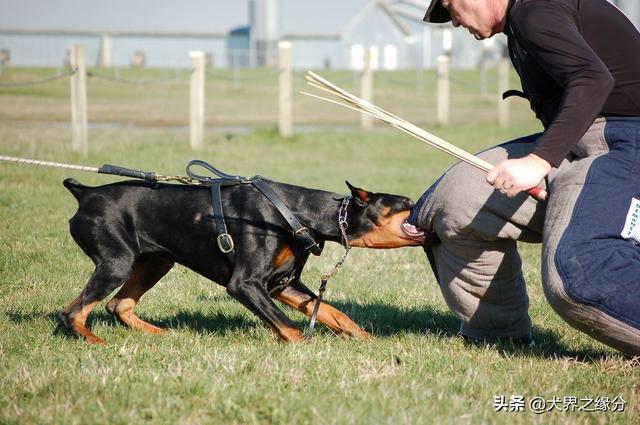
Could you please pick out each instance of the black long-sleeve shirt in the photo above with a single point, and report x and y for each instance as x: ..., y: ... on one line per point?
x: 577, y: 59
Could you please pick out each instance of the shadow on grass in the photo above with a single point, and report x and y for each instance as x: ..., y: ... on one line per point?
x: 217, y: 323
x: 379, y: 319
x: 386, y: 319
x: 382, y: 319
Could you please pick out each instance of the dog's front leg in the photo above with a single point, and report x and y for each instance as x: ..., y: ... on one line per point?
x: 298, y: 296
x: 252, y: 293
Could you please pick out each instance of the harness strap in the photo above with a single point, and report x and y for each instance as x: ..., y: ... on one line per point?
x: 128, y: 172
x: 512, y: 92
x: 209, y: 167
x: 299, y: 231
x: 224, y: 240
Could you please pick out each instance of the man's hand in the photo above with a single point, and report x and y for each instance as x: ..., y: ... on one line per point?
x: 516, y: 175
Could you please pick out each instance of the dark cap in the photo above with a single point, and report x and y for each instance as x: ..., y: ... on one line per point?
x: 436, y: 13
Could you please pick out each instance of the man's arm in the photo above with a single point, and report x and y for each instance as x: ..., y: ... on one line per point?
x: 549, y: 33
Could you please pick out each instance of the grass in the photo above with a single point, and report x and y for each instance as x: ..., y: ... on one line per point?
x: 219, y: 364
x: 250, y: 100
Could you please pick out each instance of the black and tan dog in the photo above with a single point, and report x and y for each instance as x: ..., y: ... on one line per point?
x: 134, y: 232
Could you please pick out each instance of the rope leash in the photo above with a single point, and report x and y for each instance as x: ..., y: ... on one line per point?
x: 105, y: 169
x: 48, y: 164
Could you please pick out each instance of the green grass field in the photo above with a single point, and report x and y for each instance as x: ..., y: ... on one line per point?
x: 219, y: 364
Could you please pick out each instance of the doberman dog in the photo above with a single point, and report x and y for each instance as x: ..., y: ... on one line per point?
x: 134, y: 231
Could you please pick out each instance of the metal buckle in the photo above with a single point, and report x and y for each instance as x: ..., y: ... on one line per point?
x: 225, y: 243
x: 300, y: 230
x: 313, y: 247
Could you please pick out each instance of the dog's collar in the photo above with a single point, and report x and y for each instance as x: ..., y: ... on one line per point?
x: 342, y: 221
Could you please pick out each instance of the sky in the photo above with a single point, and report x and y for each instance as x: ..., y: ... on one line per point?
x: 297, y: 17
x: 141, y: 15
x: 181, y: 15
x: 159, y: 15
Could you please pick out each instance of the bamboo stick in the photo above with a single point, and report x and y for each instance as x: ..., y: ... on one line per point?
x: 354, y: 103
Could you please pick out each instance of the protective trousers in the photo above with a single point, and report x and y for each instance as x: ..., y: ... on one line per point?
x: 590, y: 232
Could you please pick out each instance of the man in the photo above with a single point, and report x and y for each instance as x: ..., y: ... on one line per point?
x: 579, y: 65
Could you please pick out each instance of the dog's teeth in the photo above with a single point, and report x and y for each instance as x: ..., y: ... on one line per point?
x: 411, y: 230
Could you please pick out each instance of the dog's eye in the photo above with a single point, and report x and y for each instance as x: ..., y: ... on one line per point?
x: 408, y: 203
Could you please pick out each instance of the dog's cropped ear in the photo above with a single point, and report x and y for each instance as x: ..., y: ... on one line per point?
x: 361, y: 196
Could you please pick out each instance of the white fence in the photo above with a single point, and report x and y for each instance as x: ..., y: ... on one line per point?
x: 198, y: 75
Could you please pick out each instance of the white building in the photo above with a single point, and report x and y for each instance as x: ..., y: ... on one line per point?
x: 327, y: 33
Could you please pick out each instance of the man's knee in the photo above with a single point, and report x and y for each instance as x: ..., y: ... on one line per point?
x: 590, y: 319
x: 590, y: 274
x: 482, y: 283
x: 476, y: 262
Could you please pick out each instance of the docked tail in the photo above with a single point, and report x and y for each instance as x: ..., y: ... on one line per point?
x: 75, y: 187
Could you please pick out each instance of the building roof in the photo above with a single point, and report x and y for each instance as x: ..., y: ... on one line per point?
x: 320, y: 17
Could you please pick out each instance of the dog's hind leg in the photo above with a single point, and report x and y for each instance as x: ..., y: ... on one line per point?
x: 106, y: 277
x: 303, y: 299
x: 147, y: 271
x: 73, y: 318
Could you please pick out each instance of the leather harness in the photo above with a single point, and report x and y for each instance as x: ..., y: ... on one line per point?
x: 224, y: 240
x: 303, y: 234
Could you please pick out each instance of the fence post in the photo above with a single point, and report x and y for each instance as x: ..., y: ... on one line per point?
x: 366, y: 89
x: 285, y: 81
x: 443, y: 90
x: 483, y: 78
x: 78, y: 100
x: 104, y: 60
x: 196, y: 114
x: 503, y: 86
x: 5, y: 59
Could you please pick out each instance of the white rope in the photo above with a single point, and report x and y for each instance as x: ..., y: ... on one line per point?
x: 364, y: 107
x: 47, y: 164
x: 354, y: 102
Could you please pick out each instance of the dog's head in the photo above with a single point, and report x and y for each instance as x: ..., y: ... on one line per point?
x: 376, y: 220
